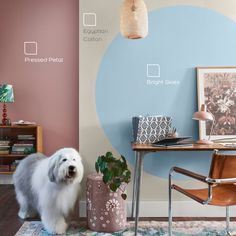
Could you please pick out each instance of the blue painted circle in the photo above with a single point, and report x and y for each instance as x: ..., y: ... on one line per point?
x: 180, y: 38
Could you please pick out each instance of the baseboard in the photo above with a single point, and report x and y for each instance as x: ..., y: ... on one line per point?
x: 180, y: 209
x: 6, y: 179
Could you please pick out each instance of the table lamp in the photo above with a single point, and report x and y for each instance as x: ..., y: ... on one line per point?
x: 204, y: 115
x: 6, y: 95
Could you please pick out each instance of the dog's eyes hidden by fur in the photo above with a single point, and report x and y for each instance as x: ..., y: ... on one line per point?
x: 64, y: 159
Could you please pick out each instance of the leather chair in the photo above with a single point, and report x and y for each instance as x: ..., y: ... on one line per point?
x: 221, y: 185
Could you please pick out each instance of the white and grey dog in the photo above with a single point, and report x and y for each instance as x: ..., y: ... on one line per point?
x: 49, y: 187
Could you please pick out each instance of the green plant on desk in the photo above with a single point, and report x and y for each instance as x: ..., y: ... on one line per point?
x: 115, y: 172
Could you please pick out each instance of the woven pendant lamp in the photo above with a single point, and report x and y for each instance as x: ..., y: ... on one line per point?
x: 134, y: 19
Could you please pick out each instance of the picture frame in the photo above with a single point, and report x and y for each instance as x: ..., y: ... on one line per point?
x: 216, y: 88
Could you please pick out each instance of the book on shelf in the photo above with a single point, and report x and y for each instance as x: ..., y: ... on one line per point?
x: 23, y: 150
x: 18, y: 149
x: 5, y: 145
x: 4, y: 142
x: 8, y: 168
x: 18, y: 153
x: 25, y: 137
x: 5, y: 168
x: 2, y: 147
x: 4, y: 152
x: 23, y: 145
x: 24, y: 142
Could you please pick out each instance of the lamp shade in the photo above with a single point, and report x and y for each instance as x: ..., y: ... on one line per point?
x: 6, y: 93
x: 202, y: 114
x: 134, y: 19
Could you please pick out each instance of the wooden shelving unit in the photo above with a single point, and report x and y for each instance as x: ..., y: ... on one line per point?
x: 11, y: 133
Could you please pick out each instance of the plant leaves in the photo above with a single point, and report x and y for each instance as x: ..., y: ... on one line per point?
x: 109, y: 155
x: 97, y: 166
x: 115, y: 171
x: 113, y: 187
x: 123, y: 158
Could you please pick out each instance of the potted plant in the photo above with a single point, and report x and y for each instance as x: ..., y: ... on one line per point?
x: 106, y: 205
x: 115, y: 172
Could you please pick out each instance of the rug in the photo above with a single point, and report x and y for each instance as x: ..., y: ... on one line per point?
x: 146, y: 228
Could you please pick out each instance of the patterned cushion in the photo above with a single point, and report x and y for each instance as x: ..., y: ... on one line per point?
x: 150, y: 129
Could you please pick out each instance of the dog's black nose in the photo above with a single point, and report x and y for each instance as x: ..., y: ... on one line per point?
x: 71, y: 168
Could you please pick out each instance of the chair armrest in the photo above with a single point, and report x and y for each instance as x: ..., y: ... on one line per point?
x: 221, y: 181
x: 190, y: 174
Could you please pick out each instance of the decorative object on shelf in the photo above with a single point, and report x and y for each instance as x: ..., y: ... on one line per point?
x: 150, y: 129
x: 217, y: 89
x: 134, y: 19
x: 204, y: 115
x: 173, y: 133
x: 8, y: 122
x: 6, y: 95
x: 23, y: 122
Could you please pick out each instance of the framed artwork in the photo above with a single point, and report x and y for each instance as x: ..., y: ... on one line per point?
x: 217, y: 89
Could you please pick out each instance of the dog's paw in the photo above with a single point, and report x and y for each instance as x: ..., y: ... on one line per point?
x: 23, y: 215
x: 61, y: 227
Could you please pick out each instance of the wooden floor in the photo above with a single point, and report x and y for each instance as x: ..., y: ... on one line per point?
x: 10, y: 222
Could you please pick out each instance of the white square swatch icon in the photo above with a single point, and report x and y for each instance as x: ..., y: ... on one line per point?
x: 89, y: 19
x: 30, y: 48
x: 153, y: 70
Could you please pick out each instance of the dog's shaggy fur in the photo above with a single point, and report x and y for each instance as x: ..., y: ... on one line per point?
x: 49, y: 187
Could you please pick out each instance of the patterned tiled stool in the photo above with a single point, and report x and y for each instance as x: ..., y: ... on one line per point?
x: 106, y: 210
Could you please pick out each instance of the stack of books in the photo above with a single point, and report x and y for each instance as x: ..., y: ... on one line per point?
x: 24, y: 144
x: 4, y: 147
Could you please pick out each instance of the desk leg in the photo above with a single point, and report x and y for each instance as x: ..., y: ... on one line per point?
x: 134, y: 185
x: 138, y: 185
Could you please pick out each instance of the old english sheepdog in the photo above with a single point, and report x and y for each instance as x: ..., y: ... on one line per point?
x: 49, y: 187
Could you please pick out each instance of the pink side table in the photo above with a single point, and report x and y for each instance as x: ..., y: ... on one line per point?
x: 106, y: 210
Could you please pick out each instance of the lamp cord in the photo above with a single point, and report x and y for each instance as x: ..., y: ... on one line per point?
x: 133, y: 8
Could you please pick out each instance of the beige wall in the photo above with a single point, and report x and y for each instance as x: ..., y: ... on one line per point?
x: 93, y: 141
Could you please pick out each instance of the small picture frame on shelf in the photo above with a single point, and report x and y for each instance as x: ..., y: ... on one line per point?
x: 8, y: 122
x: 217, y: 90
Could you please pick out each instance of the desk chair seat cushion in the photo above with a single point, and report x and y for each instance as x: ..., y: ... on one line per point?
x: 222, y: 195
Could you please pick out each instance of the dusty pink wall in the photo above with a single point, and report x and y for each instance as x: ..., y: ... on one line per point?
x: 44, y: 92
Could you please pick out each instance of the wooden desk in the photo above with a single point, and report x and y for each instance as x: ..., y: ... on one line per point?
x: 142, y: 149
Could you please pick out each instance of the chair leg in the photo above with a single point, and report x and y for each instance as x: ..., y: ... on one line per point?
x: 170, y: 204
x: 227, y: 220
